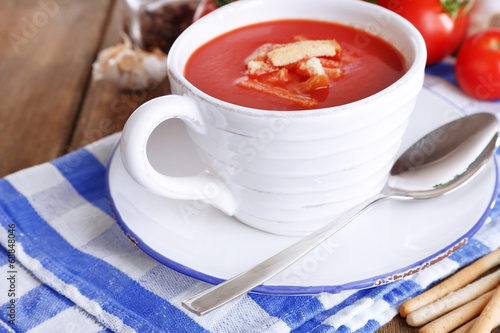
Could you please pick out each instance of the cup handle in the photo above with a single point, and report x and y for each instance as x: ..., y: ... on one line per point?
x: 205, y: 186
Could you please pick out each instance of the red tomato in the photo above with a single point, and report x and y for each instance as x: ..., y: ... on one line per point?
x: 443, y: 26
x: 477, y: 69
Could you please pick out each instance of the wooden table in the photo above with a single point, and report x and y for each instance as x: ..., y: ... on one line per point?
x: 49, y: 103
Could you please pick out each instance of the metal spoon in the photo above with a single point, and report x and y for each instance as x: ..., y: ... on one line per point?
x: 436, y: 164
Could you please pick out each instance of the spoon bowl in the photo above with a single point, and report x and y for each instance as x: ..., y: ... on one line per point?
x: 437, y: 164
x: 444, y: 159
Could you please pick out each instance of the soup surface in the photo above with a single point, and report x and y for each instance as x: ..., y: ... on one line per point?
x: 368, y: 64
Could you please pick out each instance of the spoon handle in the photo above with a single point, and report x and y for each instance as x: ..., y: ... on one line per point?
x: 224, y: 292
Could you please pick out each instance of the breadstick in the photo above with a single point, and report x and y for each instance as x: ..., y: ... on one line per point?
x: 453, y: 300
x: 488, y: 317
x: 459, y: 316
x: 466, y: 328
x: 455, y: 282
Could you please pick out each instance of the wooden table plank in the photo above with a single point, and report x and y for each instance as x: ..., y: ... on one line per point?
x: 397, y: 325
x: 42, y: 80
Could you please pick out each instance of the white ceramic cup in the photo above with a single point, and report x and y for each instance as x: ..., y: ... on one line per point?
x: 285, y: 172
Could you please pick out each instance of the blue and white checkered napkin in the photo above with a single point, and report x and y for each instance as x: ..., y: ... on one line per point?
x: 75, y: 271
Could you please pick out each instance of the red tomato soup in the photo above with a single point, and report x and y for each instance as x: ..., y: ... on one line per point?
x: 365, y: 65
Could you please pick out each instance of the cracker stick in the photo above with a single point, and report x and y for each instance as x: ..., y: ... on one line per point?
x: 459, y: 316
x: 453, y: 300
x: 488, y: 317
x: 455, y: 282
x: 466, y: 328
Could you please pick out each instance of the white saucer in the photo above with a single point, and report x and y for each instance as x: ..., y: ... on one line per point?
x: 391, y: 240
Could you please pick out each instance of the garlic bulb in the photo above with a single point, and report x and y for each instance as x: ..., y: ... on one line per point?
x: 129, y: 67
